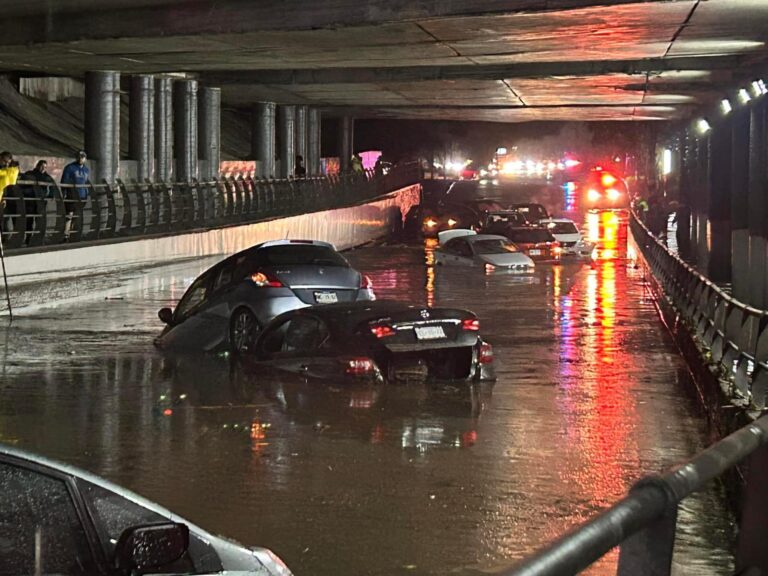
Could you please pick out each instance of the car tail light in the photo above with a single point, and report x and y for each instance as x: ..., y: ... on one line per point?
x: 470, y: 324
x: 360, y: 366
x: 263, y: 280
x: 486, y: 353
x: 557, y: 249
x: 365, y: 282
x: 382, y: 330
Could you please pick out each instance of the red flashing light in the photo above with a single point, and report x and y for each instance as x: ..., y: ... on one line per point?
x: 472, y: 324
x: 263, y: 280
x: 607, y: 179
x: 382, y: 330
x: 360, y: 367
x: 486, y: 354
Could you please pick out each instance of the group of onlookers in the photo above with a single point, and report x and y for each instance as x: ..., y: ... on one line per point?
x: 36, y: 185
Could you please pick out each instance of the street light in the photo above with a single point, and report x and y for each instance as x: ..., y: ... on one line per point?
x: 725, y: 106
x: 703, y: 125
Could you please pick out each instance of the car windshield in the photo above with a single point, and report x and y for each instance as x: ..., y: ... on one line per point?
x: 562, y: 228
x: 532, y: 235
x: 532, y: 211
x: 506, y: 218
x: 494, y: 246
x: 300, y: 254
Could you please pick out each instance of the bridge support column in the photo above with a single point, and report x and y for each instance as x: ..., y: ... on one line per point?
x: 102, y: 123
x: 701, y: 196
x: 739, y: 205
x: 287, y: 119
x: 263, y: 138
x: 185, y: 129
x: 302, y: 113
x: 164, y: 129
x: 719, y: 204
x: 346, y: 142
x: 209, y: 144
x: 141, y: 125
x: 684, y: 190
x: 313, y: 142
x: 757, y: 206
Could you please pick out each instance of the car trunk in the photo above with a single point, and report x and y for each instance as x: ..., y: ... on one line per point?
x: 321, y: 284
x: 437, y: 364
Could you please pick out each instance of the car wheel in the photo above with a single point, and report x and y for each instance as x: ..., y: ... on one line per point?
x: 243, y: 329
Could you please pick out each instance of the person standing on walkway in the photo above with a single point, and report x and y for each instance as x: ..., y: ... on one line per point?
x: 9, y: 173
x: 34, y: 196
x: 77, y: 175
x: 356, y: 164
x: 300, y: 170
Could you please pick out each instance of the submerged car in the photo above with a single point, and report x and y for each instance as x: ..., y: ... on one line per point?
x: 568, y: 235
x: 57, y: 519
x: 532, y: 211
x: 497, y: 221
x: 227, y: 306
x: 537, y: 243
x: 467, y: 248
x: 374, y: 342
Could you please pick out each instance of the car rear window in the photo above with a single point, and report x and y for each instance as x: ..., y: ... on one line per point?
x: 493, y: 247
x: 300, y: 254
x: 534, y: 235
x: 562, y: 228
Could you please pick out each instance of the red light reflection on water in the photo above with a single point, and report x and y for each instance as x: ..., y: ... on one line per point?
x: 600, y: 410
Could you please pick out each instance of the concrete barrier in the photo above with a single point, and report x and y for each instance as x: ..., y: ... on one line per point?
x: 62, y: 273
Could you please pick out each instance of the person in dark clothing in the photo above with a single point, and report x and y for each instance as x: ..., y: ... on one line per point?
x: 34, y: 196
x: 77, y: 175
x: 683, y: 233
x: 301, y: 171
x: 657, y: 218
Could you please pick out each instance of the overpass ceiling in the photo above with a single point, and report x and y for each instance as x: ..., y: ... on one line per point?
x: 477, y: 60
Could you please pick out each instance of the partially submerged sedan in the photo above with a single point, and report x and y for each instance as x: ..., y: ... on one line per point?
x: 538, y: 243
x: 568, y: 235
x: 56, y: 519
x: 467, y: 248
x: 374, y: 342
x: 228, y: 305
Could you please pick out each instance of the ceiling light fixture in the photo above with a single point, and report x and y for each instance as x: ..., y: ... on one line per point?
x: 725, y: 105
x: 703, y: 125
x: 744, y: 96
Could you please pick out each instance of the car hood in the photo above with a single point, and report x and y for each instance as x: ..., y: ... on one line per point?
x: 509, y: 259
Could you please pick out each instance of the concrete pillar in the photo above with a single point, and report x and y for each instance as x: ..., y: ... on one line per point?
x: 685, y: 191
x: 302, y: 113
x: 263, y: 138
x: 287, y: 119
x: 719, y: 202
x: 141, y: 125
x: 346, y: 141
x: 185, y: 129
x: 164, y: 129
x: 102, y: 124
x: 757, y: 206
x: 702, y: 202
x: 739, y: 204
x: 314, y: 124
x: 209, y: 141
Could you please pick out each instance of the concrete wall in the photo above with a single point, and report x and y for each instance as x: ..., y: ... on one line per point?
x: 67, y: 273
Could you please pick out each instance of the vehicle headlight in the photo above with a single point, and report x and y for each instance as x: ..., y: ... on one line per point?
x: 430, y: 222
x: 593, y: 195
x: 452, y: 222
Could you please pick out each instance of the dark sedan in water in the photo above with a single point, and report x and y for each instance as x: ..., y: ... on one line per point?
x: 228, y: 305
x: 375, y: 341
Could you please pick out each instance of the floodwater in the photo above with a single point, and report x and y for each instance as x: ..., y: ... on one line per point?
x: 391, y: 480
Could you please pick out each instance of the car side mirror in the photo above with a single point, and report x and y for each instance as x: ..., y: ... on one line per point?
x: 149, y: 547
x: 166, y: 315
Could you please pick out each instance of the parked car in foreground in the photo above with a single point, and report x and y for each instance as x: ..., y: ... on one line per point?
x: 568, y: 235
x: 228, y: 305
x: 537, y: 243
x: 374, y: 342
x: 467, y: 248
x: 57, y: 519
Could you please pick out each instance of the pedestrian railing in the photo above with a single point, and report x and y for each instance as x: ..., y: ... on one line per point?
x: 38, y: 214
x: 643, y: 523
x: 731, y: 335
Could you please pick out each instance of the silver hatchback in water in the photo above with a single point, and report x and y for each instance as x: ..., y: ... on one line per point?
x: 226, y: 307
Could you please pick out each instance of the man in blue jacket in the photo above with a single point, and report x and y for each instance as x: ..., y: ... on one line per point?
x: 77, y: 174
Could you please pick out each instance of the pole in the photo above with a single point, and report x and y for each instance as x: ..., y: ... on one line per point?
x: 5, y: 279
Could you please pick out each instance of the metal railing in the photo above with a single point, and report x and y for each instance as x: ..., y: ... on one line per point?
x: 732, y: 335
x: 38, y: 214
x: 644, y: 522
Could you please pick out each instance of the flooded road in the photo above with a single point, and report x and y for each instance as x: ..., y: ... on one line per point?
x: 391, y: 480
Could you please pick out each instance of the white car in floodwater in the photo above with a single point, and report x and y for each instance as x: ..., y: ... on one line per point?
x: 468, y: 248
x: 568, y: 235
x: 57, y: 519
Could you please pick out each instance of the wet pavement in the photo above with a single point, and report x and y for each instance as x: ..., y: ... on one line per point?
x: 378, y: 480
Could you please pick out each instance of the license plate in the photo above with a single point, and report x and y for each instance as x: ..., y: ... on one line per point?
x: 326, y: 297
x: 430, y: 332
x: 535, y: 252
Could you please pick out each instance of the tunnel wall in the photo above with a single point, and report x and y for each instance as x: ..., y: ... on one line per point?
x: 40, y: 278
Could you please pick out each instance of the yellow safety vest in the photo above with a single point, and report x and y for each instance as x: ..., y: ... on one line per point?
x: 8, y: 177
